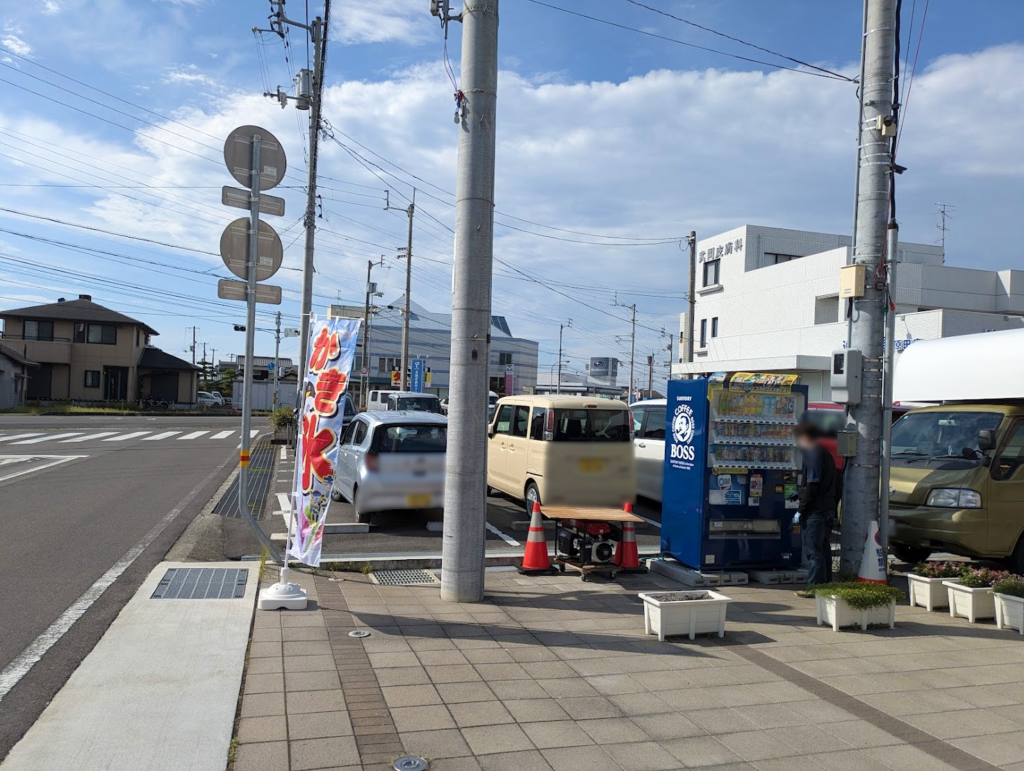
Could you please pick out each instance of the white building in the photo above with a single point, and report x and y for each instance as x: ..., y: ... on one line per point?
x: 767, y: 300
x: 430, y: 338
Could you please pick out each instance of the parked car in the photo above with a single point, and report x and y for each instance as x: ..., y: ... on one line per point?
x: 562, y: 450
x: 413, y: 401
x: 392, y: 460
x: 206, y: 399
x: 649, y: 446
x: 444, y: 406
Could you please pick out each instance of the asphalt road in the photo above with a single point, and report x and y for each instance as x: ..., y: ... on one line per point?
x: 77, y: 495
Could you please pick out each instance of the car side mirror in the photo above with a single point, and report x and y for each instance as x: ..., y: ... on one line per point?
x: 490, y: 431
x: 986, y: 439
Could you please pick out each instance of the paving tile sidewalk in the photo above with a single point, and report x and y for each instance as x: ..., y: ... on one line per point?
x: 553, y: 673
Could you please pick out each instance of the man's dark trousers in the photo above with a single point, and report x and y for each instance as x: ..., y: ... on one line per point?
x: 816, y: 532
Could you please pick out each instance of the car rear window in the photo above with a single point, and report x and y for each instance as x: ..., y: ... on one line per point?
x: 592, y: 425
x: 417, y: 404
x: 412, y: 438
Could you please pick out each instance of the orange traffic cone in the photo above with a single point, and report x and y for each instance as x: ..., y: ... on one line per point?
x: 872, y: 563
x: 627, y: 556
x: 535, y: 558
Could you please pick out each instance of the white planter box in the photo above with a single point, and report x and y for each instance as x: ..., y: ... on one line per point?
x: 834, y: 611
x: 969, y: 603
x: 1009, y: 612
x: 667, y: 618
x: 929, y: 593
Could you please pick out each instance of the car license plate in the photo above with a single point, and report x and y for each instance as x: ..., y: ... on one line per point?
x: 592, y: 465
x: 418, y: 501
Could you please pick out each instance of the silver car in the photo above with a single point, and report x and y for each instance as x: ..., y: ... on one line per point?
x: 392, y: 460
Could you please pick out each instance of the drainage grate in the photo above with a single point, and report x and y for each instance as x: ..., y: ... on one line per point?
x: 403, y: 577
x: 201, y: 584
x: 261, y: 466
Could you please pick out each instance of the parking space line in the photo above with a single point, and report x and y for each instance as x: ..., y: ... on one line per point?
x: 12, y: 437
x: 124, y: 437
x: 284, y: 501
x: 48, y: 437
x: 284, y: 452
x: 223, y: 434
x: 506, y: 538
x: 193, y: 435
x: 87, y: 437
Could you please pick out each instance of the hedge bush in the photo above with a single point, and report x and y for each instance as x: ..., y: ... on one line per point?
x: 860, y: 596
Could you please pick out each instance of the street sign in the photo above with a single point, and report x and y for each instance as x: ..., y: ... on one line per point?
x: 234, y: 249
x: 346, y: 311
x: 396, y: 377
x: 270, y: 366
x: 236, y: 290
x: 364, y: 371
x: 238, y: 157
x: 239, y: 199
x: 418, y: 372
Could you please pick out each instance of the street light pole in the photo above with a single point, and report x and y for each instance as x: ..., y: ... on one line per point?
x: 277, y: 359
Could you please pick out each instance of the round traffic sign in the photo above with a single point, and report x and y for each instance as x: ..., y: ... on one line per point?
x: 234, y: 249
x: 238, y: 157
x: 364, y: 371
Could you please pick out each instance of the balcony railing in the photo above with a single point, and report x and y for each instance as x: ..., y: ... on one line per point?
x: 56, y: 350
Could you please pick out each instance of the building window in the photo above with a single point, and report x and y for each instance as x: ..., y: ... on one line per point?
x: 92, y: 378
x: 38, y: 330
x: 102, y: 334
x: 504, y: 358
x: 711, y: 271
x: 387, y: 364
x: 79, y: 332
x: 703, y: 333
x: 826, y: 310
x: 772, y: 258
x: 714, y: 327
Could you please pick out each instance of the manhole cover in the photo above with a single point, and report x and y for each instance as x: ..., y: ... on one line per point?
x: 358, y: 633
x: 201, y: 584
x: 411, y: 763
x: 403, y: 577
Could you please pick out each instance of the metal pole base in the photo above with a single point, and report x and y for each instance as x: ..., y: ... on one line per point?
x: 283, y: 595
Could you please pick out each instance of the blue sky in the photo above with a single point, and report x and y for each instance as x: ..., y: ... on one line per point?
x: 600, y: 130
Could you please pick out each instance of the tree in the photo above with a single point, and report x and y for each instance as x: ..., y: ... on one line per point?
x: 227, y: 381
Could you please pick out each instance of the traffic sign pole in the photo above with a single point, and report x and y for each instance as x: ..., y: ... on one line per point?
x: 250, y: 335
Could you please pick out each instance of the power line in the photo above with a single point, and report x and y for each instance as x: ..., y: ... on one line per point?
x: 833, y: 76
x: 738, y: 40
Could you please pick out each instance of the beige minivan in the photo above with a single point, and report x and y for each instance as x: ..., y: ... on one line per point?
x: 562, y: 450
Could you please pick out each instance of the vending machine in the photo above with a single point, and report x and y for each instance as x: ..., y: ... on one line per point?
x: 731, y: 466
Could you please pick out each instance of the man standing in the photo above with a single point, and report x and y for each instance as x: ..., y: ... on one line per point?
x: 817, y: 494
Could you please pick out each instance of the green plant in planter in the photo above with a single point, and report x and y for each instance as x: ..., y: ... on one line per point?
x: 940, y: 569
x: 1011, y: 585
x: 282, y: 417
x: 859, y: 596
x: 980, y: 578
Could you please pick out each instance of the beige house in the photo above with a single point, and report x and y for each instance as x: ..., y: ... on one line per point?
x: 89, y: 353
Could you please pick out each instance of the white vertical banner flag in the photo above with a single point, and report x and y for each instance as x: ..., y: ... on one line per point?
x: 332, y: 345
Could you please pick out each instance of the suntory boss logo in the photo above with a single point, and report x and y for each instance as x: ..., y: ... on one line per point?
x: 682, y: 432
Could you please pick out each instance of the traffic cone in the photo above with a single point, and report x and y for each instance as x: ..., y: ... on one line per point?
x: 872, y: 564
x: 535, y: 558
x: 627, y: 556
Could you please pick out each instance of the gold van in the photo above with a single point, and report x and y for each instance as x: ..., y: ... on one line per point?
x: 562, y: 450
x: 957, y: 482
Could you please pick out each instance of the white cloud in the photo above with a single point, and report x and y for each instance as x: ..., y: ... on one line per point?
x: 383, y: 21
x: 189, y: 75
x: 656, y: 155
x: 51, y: 7
x: 16, y: 45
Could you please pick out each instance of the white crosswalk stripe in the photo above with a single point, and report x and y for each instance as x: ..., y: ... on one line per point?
x: 158, y: 437
x: 12, y: 437
x: 48, y: 438
x: 87, y: 437
x: 124, y: 437
x: 193, y: 435
x: 223, y: 434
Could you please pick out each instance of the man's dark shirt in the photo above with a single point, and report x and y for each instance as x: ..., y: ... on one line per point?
x: 818, y: 484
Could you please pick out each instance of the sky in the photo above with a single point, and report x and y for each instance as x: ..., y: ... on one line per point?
x: 612, y: 146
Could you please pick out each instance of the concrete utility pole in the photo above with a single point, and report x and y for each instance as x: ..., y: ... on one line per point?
x: 558, y: 385
x: 650, y: 376
x: 371, y: 291
x: 861, y: 500
x: 462, y: 553
x: 691, y: 240
x: 309, y: 86
x: 277, y: 358
x: 407, y: 256
x: 888, y: 372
